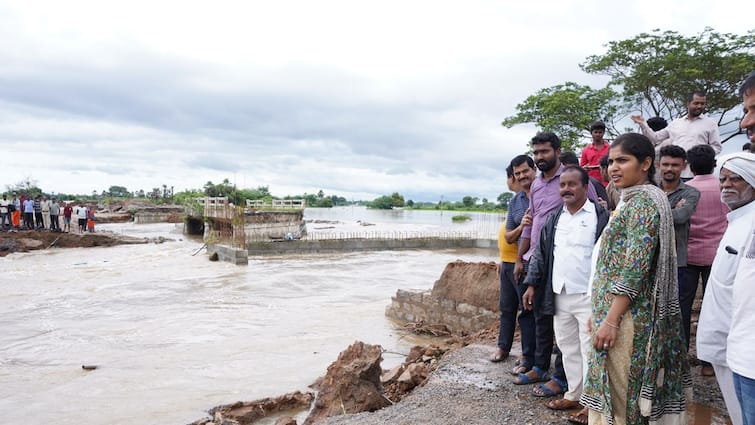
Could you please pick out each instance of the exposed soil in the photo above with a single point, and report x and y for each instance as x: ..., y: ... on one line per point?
x: 30, y: 240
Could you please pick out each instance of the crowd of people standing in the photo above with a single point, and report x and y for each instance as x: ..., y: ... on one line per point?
x: 41, y: 213
x: 611, y: 274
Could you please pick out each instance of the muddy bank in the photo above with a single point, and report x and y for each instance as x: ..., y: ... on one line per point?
x: 31, y: 240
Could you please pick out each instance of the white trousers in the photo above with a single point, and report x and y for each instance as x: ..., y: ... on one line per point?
x: 725, y: 379
x: 573, y: 311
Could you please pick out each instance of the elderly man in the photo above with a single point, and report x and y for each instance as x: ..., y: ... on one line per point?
x: 740, y: 343
x: 691, y: 130
x: 722, y: 314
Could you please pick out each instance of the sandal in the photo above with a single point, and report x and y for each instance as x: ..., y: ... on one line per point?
x: 580, y: 418
x: 543, y: 390
x: 562, y: 404
x: 524, y: 378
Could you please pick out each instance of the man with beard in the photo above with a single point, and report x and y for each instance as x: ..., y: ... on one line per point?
x: 688, y: 131
x: 683, y: 199
x: 741, y: 342
x: 544, y: 199
x: 727, y: 309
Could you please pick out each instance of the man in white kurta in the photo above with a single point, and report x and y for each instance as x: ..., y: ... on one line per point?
x: 737, y: 178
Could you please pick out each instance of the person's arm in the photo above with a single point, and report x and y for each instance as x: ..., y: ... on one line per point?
x: 715, y: 139
x: 536, y: 269
x: 513, y: 234
x: 655, y: 137
x: 683, y: 209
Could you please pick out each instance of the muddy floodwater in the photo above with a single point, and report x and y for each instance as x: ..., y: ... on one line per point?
x: 172, y: 334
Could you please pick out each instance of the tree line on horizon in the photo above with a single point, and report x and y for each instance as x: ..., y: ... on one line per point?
x: 238, y: 196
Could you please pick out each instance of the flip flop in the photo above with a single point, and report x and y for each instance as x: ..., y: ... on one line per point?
x: 523, y: 379
x: 542, y: 390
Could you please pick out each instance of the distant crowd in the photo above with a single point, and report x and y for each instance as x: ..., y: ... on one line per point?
x: 43, y: 214
x: 605, y: 255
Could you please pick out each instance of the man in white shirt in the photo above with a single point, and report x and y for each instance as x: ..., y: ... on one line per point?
x: 559, y: 276
x: 691, y: 130
x: 720, y: 307
x: 741, y: 342
x: 81, y: 214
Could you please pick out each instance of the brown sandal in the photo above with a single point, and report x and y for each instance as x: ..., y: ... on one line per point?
x: 563, y: 404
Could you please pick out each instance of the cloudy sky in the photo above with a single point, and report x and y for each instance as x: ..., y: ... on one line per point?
x: 355, y: 98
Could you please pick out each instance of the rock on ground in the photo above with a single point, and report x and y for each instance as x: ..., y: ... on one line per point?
x: 249, y: 412
x: 351, y: 384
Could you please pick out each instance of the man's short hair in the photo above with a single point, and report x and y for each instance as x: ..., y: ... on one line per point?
x: 747, y: 85
x: 521, y: 159
x: 598, y: 125
x: 584, y: 177
x: 702, y: 159
x: 657, y: 123
x: 674, y: 152
x: 547, y: 137
x: 746, y: 146
x: 604, y: 161
x: 509, y: 171
x: 698, y: 93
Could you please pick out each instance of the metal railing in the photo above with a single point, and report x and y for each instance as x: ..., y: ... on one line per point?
x: 381, y: 235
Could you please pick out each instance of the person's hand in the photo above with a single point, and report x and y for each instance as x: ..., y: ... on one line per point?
x: 637, y: 119
x: 680, y: 203
x: 603, y: 203
x: 527, y: 219
x: 605, y: 337
x: 527, y: 298
x: 518, y: 270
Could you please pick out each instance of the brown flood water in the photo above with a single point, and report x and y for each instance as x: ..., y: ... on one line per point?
x: 174, y: 334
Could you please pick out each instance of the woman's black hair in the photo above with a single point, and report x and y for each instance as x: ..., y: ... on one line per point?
x: 638, y: 146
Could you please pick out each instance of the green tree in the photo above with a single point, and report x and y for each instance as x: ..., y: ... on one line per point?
x: 397, y: 200
x: 27, y: 187
x: 118, y: 191
x: 504, y: 199
x: 469, y: 201
x: 568, y: 110
x: 384, y: 202
x: 656, y: 72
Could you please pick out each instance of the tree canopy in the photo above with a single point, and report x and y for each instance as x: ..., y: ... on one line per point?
x: 568, y: 110
x: 651, y: 72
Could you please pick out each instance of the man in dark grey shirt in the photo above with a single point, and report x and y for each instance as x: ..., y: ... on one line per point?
x: 683, y: 199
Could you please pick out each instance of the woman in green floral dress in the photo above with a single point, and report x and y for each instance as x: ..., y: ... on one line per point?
x: 638, y: 371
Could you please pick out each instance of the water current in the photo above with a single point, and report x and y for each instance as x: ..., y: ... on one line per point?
x: 173, y: 334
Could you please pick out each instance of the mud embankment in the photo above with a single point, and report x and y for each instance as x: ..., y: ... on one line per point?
x: 31, y: 240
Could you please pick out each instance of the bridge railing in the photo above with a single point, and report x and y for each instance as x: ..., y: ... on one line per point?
x: 384, y: 235
x: 276, y: 204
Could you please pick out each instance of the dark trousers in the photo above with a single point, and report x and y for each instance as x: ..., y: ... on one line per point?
x: 29, y: 220
x: 543, y: 339
x: 510, y: 303
x: 687, y: 290
x: 40, y: 219
x: 54, y: 222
